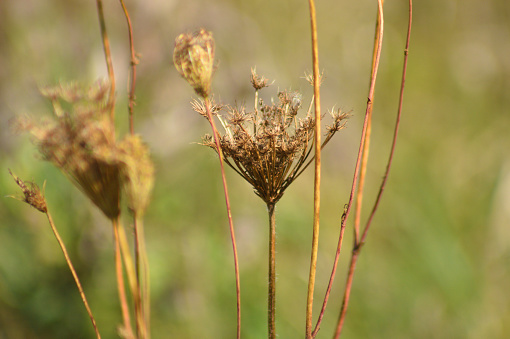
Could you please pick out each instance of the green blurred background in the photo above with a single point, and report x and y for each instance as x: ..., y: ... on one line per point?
x: 437, y: 260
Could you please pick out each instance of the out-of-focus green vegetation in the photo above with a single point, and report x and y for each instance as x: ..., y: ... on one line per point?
x: 437, y: 260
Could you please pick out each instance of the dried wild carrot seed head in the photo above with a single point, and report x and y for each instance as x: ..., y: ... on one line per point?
x: 194, y: 60
x: 269, y: 146
x: 80, y: 141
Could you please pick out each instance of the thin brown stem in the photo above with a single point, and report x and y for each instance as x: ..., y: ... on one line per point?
x: 108, y: 57
x: 134, y: 62
x: 348, y: 287
x: 73, y: 272
x: 332, y: 276
x: 126, y: 329
x: 271, y: 293
x: 317, y: 178
x: 207, y: 104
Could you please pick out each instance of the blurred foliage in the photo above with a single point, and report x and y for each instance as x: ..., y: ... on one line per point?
x: 437, y: 260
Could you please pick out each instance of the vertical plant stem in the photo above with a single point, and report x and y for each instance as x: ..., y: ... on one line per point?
x: 207, y: 104
x: 134, y: 62
x: 366, y: 146
x: 134, y: 287
x: 271, y: 293
x: 142, y: 276
x: 397, y: 125
x: 317, y: 179
x: 108, y: 57
x: 73, y: 272
x: 127, y: 330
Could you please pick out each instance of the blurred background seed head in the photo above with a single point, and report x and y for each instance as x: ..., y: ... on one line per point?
x: 437, y: 261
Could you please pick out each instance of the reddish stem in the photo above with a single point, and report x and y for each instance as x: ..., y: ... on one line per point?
x: 207, y: 104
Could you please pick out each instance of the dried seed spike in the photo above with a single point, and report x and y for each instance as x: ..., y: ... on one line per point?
x: 32, y: 194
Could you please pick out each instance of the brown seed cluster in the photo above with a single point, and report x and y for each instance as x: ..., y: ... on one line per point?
x: 269, y: 146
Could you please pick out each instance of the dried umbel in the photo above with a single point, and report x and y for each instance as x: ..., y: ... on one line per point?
x: 194, y: 60
x: 269, y: 146
x: 80, y: 141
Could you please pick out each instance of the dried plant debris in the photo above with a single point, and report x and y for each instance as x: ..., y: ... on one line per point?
x: 32, y: 195
x: 269, y: 146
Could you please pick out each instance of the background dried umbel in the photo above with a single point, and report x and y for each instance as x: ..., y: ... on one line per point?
x: 80, y: 140
x: 269, y: 146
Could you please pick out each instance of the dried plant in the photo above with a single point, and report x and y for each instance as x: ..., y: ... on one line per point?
x: 80, y: 141
x: 33, y: 196
x: 194, y: 60
x: 269, y: 147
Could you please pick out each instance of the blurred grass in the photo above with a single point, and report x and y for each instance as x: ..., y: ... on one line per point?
x: 437, y: 261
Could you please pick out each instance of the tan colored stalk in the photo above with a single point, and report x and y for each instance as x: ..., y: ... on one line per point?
x: 132, y: 279
x: 126, y: 329
x: 355, y: 252
x: 134, y: 62
x: 317, y: 179
x: 142, y: 275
